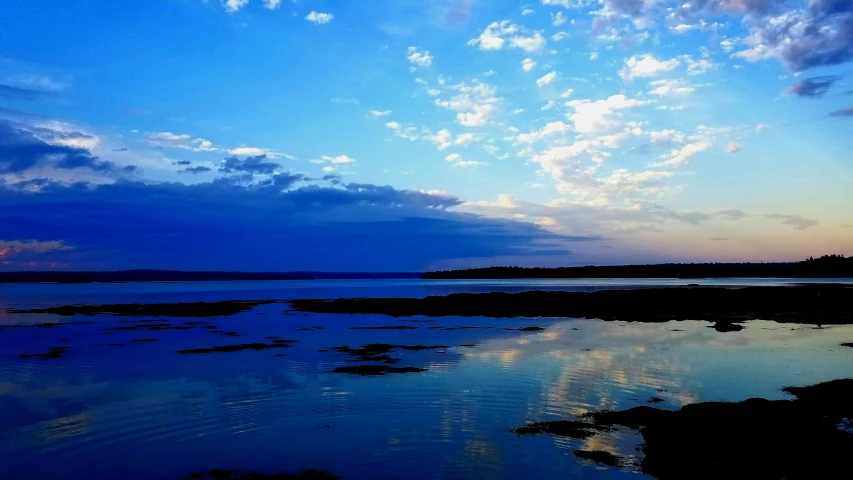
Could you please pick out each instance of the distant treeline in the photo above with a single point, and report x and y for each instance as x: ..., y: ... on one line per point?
x: 179, y: 276
x: 827, y: 266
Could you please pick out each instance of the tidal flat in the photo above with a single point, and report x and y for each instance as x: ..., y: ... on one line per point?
x: 477, y: 396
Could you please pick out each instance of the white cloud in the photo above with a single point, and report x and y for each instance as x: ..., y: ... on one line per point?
x: 593, y: 56
x: 560, y: 3
x: 546, y: 79
x: 337, y: 160
x: 183, y: 141
x: 255, y: 151
x: 665, y: 138
x: 761, y: 128
x: 233, y: 6
x: 681, y: 156
x: 476, y: 103
x: 433, y: 92
x: 380, y: 113
x: 457, y: 161
x: 700, y: 66
x: 495, y: 36
x: 527, y: 11
x: 492, y: 36
x: 548, y: 106
x: 568, y: 93
x: 646, y: 66
x: 530, y: 44
x: 408, y: 132
x: 469, y: 163
x: 419, y: 58
x: 465, y: 139
x: 442, y: 139
x: 272, y: 4
x: 550, y: 129
x: 559, y: 36
x: 558, y: 19
x: 728, y: 44
x: 528, y: 64
x: 319, y: 18
x: 595, y: 117
x: 671, y: 88
x: 489, y: 73
x: 733, y: 147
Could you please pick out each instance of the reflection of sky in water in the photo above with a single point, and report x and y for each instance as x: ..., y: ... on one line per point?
x: 106, y: 412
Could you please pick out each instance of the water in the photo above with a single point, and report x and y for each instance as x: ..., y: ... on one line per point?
x: 115, y: 411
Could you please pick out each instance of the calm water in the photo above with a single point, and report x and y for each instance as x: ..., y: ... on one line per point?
x: 115, y: 411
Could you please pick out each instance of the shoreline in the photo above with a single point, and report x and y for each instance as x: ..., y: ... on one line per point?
x: 806, y: 304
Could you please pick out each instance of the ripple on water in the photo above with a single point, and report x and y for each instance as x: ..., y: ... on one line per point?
x: 249, y: 410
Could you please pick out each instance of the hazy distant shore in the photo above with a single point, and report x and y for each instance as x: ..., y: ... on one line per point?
x: 828, y: 266
x: 182, y: 276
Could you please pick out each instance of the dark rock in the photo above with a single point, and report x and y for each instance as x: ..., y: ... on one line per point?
x: 242, y: 346
x: 813, y: 304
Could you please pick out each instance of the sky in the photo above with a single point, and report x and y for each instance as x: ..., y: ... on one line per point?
x: 404, y: 135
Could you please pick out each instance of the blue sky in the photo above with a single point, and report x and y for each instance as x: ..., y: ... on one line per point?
x: 407, y: 135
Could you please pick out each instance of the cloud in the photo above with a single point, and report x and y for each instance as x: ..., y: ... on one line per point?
x: 646, y: 66
x: 272, y: 4
x: 528, y: 64
x: 497, y: 34
x: 380, y: 113
x: 408, y: 132
x: 795, y: 221
x: 821, y: 34
x: 476, y: 103
x: 733, y: 147
x: 665, y: 137
x: 561, y: 3
x: 419, y: 58
x: 681, y: 156
x: 339, y: 159
x: 558, y: 19
x: 233, y: 6
x: 531, y: 44
x: 550, y: 129
x: 698, y: 66
x: 812, y: 87
x: 319, y: 18
x: 596, y: 117
x: 196, y: 170
x: 546, y: 79
x: 527, y: 11
x: 469, y: 163
x: 223, y: 225
x: 333, y: 162
x: 844, y: 112
x: 253, y: 165
x: 183, y: 141
x: 671, y: 88
x: 10, y: 92
x: 26, y: 147
x: 15, y: 248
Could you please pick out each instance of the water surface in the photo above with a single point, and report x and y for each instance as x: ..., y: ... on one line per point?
x: 111, y: 411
